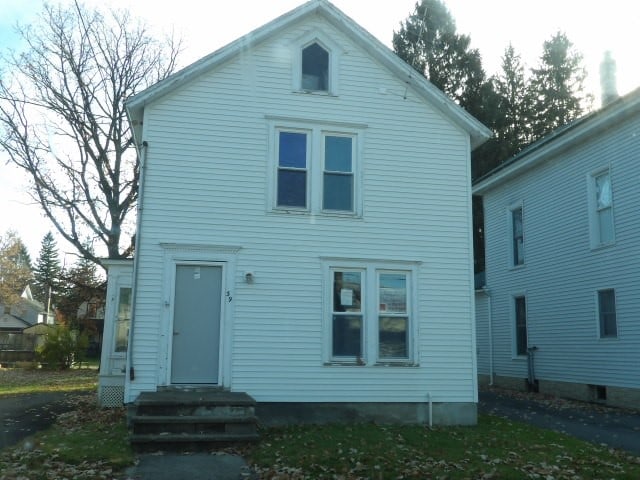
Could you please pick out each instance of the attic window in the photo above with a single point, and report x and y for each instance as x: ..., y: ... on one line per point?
x: 315, y: 68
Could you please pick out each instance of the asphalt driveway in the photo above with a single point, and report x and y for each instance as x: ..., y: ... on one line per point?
x: 616, y: 428
x: 24, y: 415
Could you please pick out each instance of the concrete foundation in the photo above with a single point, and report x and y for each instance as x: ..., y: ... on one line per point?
x: 604, y: 394
x: 278, y: 413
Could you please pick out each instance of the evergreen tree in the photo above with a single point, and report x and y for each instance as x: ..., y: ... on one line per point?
x: 558, y: 86
x: 427, y: 40
x: 47, y: 271
x: 82, y: 286
x: 515, y: 103
x: 15, y: 268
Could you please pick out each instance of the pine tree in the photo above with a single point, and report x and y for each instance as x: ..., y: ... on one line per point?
x: 427, y: 40
x: 515, y: 103
x: 15, y: 268
x: 47, y: 272
x: 558, y: 86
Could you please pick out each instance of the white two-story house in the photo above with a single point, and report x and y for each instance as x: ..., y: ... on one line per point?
x: 304, y: 230
x: 560, y: 311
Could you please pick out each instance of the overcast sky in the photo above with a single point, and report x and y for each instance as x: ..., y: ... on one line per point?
x: 207, y: 25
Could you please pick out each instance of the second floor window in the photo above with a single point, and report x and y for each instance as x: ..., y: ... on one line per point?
x: 604, y: 208
x: 517, y: 237
x: 316, y: 170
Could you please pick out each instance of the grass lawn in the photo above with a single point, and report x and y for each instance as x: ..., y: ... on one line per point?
x: 20, y: 380
x: 495, y: 449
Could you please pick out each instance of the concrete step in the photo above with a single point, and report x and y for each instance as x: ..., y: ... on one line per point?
x: 191, y: 419
x: 184, y: 437
x: 202, y: 418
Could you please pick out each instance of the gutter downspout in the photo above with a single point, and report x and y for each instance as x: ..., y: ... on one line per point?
x: 487, y: 292
x: 136, y: 259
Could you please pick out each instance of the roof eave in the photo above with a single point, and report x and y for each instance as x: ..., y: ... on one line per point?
x: 582, y: 128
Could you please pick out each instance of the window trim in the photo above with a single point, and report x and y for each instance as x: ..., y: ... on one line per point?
x: 511, y: 236
x: 592, y: 202
x: 601, y: 335
x: 332, y: 49
x: 514, y: 327
x: 370, y: 323
x: 316, y: 132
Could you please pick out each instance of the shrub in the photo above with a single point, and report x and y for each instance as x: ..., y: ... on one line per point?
x: 62, y: 347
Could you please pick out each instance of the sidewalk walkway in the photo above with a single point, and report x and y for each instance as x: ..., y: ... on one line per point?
x: 594, y: 423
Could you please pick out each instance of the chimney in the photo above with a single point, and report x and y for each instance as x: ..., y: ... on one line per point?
x: 609, y: 90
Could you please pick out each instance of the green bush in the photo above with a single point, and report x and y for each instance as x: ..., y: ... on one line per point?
x: 63, y: 347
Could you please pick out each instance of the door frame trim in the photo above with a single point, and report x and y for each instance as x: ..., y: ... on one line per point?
x: 197, y: 255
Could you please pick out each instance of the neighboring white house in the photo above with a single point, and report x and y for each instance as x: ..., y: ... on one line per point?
x: 304, y: 231
x: 563, y: 261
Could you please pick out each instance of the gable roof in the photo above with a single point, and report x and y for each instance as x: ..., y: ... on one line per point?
x: 561, y: 139
x: 456, y: 114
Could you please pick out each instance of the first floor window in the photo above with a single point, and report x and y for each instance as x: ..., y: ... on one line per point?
x: 123, y: 319
x: 520, y: 305
x: 393, y: 319
x: 370, y: 314
x: 347, y: 313
x: 607, y: 313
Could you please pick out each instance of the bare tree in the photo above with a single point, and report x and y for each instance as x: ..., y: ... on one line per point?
x: 62, y: 118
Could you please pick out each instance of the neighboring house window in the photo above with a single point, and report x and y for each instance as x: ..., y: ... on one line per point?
x: 601, y: 209
x: 315, y: 68
x: 520, y: 315
x: 393, y: 316
x: 347, y: 313
x: 316, y: 170
x: 338, y: 181
x: 517, y: 235
x: 292, y: 169
x: 607, y: 313
x: 370, y: 317
x: 123, y: 319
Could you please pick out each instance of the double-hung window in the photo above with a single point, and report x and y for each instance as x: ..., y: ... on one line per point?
x: 370, y: 314
x: 516, y: 233
x: 123, y: 320
x: 601, y: 208
x: 292, y: 176
x: 337, y: 178
x: 607, y: 313
x: 393, y: 315
x: 316, y: 169
x: 347, y: 313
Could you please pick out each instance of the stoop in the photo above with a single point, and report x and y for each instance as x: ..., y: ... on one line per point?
x: 191, y: 419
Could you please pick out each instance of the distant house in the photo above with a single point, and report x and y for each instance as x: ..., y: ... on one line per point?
x: 561, y: 307
x: 14, y: 320
x: 304, y: 232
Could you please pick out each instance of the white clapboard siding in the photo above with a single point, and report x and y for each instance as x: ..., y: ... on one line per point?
x: 562, y: 273
x: 206, y: 183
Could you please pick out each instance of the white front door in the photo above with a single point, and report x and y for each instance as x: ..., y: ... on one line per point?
x: 195, y: 352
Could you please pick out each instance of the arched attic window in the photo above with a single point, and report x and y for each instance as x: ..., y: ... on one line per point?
x: 315, y: 68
